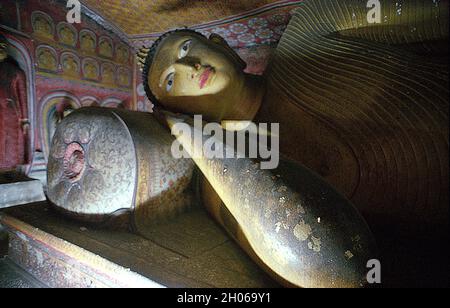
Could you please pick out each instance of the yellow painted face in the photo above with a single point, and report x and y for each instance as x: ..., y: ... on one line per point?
x: 195, y: 75
x: 3, y: 53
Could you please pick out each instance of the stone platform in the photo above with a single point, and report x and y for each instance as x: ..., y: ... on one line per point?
x: 190, y: 251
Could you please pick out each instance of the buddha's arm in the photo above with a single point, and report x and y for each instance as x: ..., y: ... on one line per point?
x: 396, y: 22
x: 289, y: 220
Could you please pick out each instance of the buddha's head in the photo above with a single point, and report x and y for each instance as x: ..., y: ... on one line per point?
x: 189, y: 73
x: 3, y: 47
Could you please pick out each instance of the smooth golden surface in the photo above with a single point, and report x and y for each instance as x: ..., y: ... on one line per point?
x: 366, y: 105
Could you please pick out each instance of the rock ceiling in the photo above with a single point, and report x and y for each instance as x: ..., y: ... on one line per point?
x: 142, y: 17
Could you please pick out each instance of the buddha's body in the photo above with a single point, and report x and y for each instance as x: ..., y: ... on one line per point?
x: 364, y: 105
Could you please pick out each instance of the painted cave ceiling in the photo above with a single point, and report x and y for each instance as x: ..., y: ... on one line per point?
x: 140, y: 17
x: 241, y: 23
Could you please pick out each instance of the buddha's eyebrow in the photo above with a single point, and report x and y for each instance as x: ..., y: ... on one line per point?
x: 164, y: 75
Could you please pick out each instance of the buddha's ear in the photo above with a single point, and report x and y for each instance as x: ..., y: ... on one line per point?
x: 221, y: 41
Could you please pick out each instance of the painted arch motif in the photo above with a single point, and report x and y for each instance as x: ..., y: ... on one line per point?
x: 70, y: 64
x: 108, y: 73
x: 67, y: 34
x: 88, y: 41
x: 105, y: 47
x: 91, y: 70
x: 43, y: 25
x: 123, y: 77
x: 47, y: 58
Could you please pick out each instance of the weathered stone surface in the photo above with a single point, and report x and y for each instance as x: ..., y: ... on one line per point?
x: 189, y: 251
x: 60, y: 264
x: 12, y: 276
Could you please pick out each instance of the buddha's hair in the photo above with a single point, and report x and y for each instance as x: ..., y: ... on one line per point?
x: 150, y: 57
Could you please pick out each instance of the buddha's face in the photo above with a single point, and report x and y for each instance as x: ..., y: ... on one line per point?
x: 195, y: 75
x: 3, y: 53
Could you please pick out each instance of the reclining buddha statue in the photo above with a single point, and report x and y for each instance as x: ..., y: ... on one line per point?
x: 362, y: 107
x: 363, y: 104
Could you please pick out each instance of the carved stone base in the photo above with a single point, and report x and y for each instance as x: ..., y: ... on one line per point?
x: 188, y: 251
x: 60, y: 264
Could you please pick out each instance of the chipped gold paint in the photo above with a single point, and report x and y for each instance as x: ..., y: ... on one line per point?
x: 315, y: 244
x: 349, y: 254
x: 302, y: 231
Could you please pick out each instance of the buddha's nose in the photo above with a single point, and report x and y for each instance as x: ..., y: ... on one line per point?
x: 197, y: 67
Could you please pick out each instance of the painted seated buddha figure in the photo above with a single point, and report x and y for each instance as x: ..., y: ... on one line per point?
x: 362, y: 104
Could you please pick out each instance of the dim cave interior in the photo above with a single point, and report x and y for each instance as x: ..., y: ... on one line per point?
x: 224, y: 144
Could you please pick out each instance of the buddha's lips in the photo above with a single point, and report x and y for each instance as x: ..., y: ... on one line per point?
x: 204, y: 77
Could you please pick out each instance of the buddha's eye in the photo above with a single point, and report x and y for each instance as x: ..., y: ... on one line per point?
x: 184, y: 49
x: 170, y: 81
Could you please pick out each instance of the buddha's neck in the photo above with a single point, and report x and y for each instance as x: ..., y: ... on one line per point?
x: 249, y: 99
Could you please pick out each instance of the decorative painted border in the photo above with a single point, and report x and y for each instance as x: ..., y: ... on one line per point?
x: 89, y: 101
x: 73, y: 266
x: 49, y: 76
x: 111, y: 102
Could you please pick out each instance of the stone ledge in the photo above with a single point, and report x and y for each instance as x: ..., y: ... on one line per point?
x: 58, y: 263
